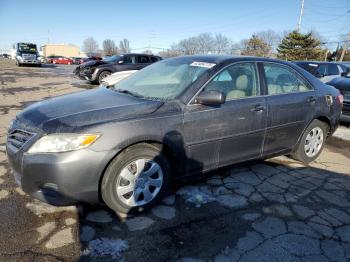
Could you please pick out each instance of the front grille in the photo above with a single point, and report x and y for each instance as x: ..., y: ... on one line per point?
x: 17, y: 138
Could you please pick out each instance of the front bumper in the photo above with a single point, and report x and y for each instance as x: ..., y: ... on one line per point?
x: 84, y: 74
x: 60, y: 178
x: 30, y: 62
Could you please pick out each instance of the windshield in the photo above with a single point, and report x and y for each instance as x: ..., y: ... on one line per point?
x: 28, y: 48
x: 113, y: 58
x: 164, y: 80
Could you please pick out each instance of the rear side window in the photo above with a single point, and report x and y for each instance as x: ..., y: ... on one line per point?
x: 143, y: 59
x: 333, y: 70
x: 281, y: 80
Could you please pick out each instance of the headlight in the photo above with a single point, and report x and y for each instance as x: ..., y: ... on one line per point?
x: 62, y: 143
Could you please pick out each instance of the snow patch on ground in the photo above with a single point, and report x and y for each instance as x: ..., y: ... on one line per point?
x: 195, y: 195
x: 342, y: 133
x: 103, y: 247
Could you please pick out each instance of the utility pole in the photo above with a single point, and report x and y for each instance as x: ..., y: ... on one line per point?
x: 345, y: 48
x: 301, y: 15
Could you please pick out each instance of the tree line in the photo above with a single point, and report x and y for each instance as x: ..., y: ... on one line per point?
x: 286, y: 46
x: 91, y: 47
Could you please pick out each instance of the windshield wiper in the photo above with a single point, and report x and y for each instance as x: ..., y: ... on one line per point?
x: 124, y: 91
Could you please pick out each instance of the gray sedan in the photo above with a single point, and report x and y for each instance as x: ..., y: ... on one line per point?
x: 125, y: 144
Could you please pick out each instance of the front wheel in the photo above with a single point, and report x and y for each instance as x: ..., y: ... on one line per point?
x: 312, y: 142
x: 136, y: 179
x: 103, y: 75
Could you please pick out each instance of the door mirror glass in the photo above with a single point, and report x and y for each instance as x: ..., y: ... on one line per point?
x: 120, y: 62
x: 210, y: 97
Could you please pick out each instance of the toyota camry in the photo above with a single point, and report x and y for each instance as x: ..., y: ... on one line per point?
x: 125, y: 144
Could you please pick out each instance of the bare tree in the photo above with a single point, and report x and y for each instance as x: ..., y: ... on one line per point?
x: 90, y: 46
x: 222, y: 44
x: 109, y: 47
x: 124, y: 46
x: 271, y: 38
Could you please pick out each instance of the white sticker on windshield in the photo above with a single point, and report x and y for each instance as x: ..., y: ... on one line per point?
x: 203, y: 64
x: 314, y: 65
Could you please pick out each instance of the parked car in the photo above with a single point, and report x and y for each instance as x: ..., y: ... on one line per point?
x: 117, y: 77
x: 346, y: 63
x: 179, y: 117
x: 62, y: 61
x: 50, y: 58
x: 325, y: 71
x: 95, y: 71
x: 77, y: 60
x: 5, y: 56
x: 343, y: 85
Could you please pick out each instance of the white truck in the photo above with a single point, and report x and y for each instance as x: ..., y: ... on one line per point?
x: 25, y: 53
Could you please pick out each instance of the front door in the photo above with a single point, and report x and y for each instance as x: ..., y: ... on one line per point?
x: 222, y: 135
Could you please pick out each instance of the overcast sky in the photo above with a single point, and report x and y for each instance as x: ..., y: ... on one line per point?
x: 159, y: 23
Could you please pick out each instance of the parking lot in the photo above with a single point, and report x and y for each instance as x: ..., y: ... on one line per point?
x: 272, y: 210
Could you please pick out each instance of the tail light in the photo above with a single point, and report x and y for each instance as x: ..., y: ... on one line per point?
x: 340, y: 99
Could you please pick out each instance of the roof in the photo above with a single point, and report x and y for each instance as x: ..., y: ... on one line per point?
x: 217, y: 59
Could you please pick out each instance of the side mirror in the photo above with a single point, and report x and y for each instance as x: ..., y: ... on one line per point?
x: 210, y: 98
x: 120, y: 62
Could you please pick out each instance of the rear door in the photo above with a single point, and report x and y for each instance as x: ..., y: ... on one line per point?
x: 221, y: 135
x: 290, y: 107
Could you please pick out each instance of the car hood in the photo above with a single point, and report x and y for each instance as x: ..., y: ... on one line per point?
x: 71, y: 112
x: 342, y: 83
x: 92, y: 63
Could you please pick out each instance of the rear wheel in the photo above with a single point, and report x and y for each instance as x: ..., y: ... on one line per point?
x: 136, y: 179
x: 312, y: 142
x: 103, y: 75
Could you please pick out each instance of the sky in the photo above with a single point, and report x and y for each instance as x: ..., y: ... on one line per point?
x: 156, y: 24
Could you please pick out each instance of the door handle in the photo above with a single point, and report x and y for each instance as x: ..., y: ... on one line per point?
x: 257, y: 108
x: 311, y: 100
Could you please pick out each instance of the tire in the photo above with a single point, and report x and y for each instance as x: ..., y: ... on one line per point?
x: 312, y: 137
x: 103, y: 75
x: 18, y: 63
x: 122, y: 176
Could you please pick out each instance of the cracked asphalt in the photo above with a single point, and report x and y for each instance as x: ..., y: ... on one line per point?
x: 272, y: 210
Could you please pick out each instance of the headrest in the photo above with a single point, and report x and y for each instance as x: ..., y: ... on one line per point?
x: 242, y: 82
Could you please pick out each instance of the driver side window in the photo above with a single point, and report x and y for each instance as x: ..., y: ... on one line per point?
x: 236, y: 81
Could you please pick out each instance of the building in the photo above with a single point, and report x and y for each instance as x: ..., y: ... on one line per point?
x: 61, y: 50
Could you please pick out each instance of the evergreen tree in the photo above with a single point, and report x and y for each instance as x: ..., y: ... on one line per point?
x: 297, y: 46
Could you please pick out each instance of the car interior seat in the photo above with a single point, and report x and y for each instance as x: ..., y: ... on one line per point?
x: 242, y: 85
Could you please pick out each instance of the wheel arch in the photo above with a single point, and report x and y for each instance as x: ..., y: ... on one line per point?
x: 166, y: 148
x: 321, y: 118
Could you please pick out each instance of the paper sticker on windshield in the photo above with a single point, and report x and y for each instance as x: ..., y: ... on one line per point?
x: 203, y: 64
x: 314, y: 65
